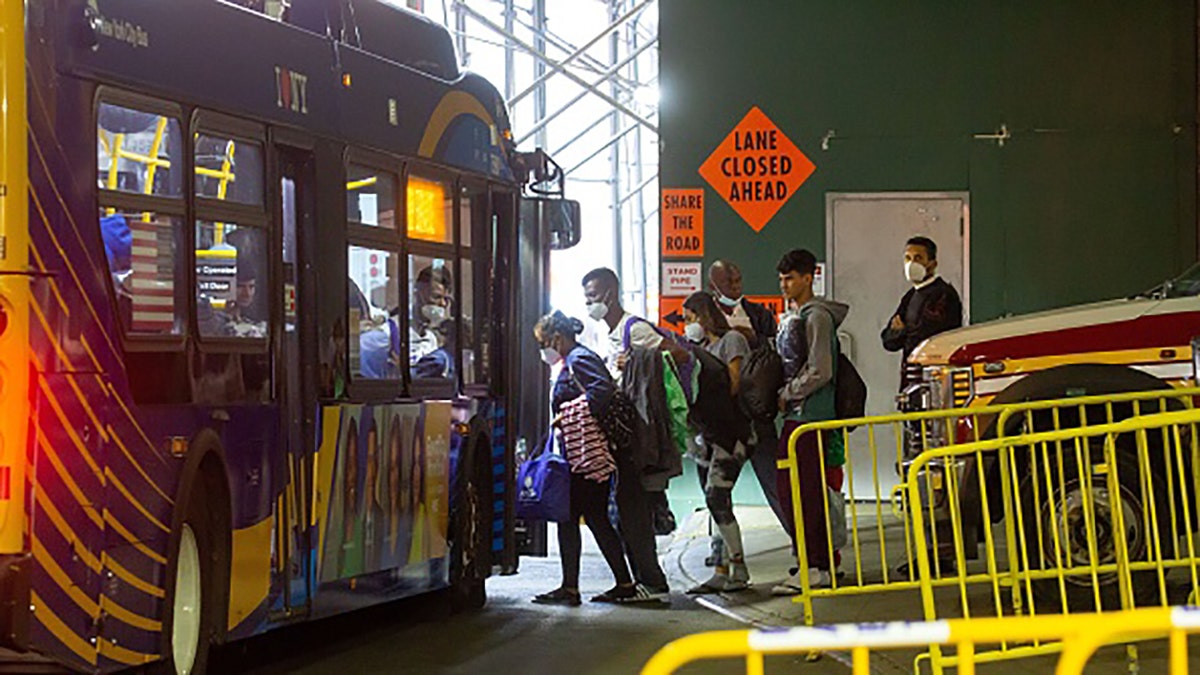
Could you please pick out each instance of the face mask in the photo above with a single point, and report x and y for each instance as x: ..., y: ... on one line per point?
x: 914, y: 271
x: 597, y: 310
x: 728, y: 302
x: 550, y: 356
x: 694, y: 332
x: 434, y: 314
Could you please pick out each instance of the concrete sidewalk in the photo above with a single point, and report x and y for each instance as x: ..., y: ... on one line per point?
x: 768, y: 557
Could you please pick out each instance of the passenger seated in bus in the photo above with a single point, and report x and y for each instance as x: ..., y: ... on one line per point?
x: 379, y: 350
x: 427, y: 335
x: 244, y: 316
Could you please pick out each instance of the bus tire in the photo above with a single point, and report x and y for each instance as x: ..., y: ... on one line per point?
x: 470, y: 544
x: 1067, y: 497
x: 195, y: 607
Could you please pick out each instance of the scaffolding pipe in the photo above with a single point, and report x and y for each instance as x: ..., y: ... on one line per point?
x: 602, y: 148
x: 557, y: 65
x: 605, y: 76
x: 561, y: 66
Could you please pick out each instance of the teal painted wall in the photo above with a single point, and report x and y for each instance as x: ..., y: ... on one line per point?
x: 1094, y: 196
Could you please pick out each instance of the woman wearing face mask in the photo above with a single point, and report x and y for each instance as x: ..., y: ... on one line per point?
x: 583, y: 373
x: 724, y: 429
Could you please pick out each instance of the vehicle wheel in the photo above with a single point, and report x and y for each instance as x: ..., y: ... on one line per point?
x: 1065, y: 508
x: 188, y: 620
x: 470, y: 545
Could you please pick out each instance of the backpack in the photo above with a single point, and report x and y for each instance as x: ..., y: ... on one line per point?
x: 849, y: 389
x: 760, y: 382
x: 715, y: 411
x: 850, y: 392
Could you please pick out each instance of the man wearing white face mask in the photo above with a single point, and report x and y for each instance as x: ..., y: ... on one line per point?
x: 930, y: 307
x: 725, y: 281
x: 431, y: 309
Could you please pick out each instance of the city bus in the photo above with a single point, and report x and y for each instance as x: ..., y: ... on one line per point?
x: 263, y: 317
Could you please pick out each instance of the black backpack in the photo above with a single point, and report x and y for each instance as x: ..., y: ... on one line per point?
x: 849, y: 390
x: 715, y: 411
x: 760, y: 382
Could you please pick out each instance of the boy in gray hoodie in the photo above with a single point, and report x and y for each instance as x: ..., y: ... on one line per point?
x: 807, y: 343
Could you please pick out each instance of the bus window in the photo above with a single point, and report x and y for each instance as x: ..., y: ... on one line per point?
x: 137, y: 151
x: 430, y: 210
x: 431, y: 334
x: 231, y: 280
x: 375, y: 352
x: 229, y: 170
x: 143, y: 257
x: 370, y: 197
x: 474, y: 218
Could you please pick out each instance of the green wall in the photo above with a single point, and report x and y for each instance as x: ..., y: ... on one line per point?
x: 1094, y: 196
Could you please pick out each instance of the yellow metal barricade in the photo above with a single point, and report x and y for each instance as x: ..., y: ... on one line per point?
x: 1080, y: 637
x: 1094, y: 518
x: 880, y: 554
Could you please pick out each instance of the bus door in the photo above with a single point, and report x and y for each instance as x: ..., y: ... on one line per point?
x: 297, y: 377
x: 528, y: 298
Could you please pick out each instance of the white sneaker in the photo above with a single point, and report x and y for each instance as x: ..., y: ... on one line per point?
x: 793, y: 585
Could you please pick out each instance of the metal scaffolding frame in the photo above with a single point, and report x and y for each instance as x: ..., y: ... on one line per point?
x: 630, y: 66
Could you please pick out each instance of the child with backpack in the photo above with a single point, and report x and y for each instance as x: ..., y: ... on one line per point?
x: 807, y: 343
x: 724, y: 428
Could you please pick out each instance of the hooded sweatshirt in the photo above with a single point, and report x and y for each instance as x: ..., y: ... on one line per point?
x: 807, y: 343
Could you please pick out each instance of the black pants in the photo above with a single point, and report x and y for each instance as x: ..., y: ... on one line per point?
x: 637, y: 529
x: 589, y: 499
x: 763, y: 459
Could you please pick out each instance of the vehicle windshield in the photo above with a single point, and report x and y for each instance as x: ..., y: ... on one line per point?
x: 1185, y: 285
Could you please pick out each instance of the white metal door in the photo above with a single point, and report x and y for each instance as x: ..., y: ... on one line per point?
x: 866, y: 235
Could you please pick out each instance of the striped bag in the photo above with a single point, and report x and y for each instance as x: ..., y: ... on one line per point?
x: 584, y: 442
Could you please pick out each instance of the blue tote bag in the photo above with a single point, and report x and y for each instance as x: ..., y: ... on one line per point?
x: 544, y: 486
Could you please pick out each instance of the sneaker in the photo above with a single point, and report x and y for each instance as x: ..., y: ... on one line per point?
x: 559, y: 596
x: 793, y: 585
x: 720, y: 583
x: 644, y: 593
x: 616, y: 594
x: 739, y: 573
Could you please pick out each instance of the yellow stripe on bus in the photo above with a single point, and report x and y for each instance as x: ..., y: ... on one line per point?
x: 70, y: 268
x: 451, y: 107
x: 131, y: 579
x: 70, y: 639
x: 115, y: 524
x: 65, y: 476
x: 125, y: 451
x: 126, y: 656
x: 83, y: 400
x: 64, y: 581
x: 138, y: 505
x: 66, y: 425
x: 65, y: 530
x: 41, y: 266
x: 138, y: 427
x: 125, y: 616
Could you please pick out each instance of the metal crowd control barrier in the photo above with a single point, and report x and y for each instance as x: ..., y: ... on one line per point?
x: 989, y: 481
x: 1080, y: 638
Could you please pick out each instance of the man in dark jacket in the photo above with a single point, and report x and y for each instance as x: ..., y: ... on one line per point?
x: 725, y: 282
x: 930, y: 307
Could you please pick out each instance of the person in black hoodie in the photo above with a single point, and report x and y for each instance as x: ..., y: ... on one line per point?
x: 930, y: 307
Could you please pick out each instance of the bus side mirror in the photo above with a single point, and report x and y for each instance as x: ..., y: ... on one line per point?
x: 559, y: 218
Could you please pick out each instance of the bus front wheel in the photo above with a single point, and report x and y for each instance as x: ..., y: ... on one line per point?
x: 189, y: 609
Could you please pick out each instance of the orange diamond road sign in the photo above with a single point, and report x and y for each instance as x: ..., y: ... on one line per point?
x: 756, y: 169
